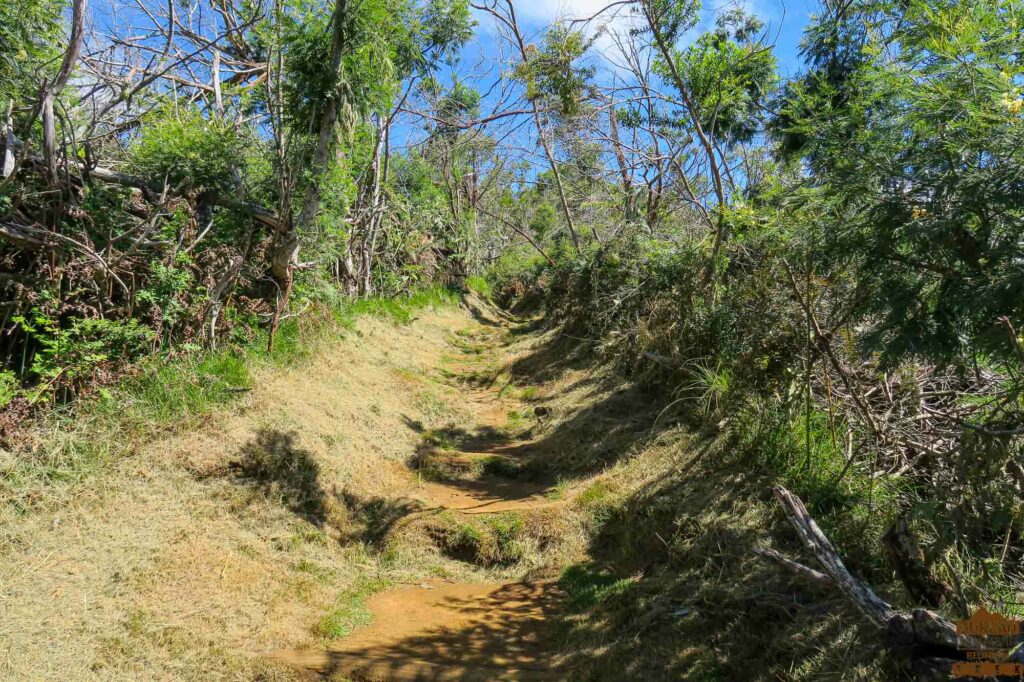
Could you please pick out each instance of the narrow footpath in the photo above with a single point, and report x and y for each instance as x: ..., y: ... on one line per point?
x: 442, y: 630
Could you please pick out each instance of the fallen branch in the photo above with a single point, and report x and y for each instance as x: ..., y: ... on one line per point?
x: 263, y: 215
x: 799, y: 569
x: 920, y: 627
x: 660, y: 359
x: 19, y: 237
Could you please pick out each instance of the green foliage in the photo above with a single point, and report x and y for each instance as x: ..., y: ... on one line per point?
x: 553, y: 74
x: 402, y: 309
x: 9, y: 387
x: 165, y: 290
x: 383, y: 42
x: 29, y: 35
x: 918, y: 161
x: 459, y: 103
x: 543, y: 220
x: 367, y: 68
x: 809, y: 458
x: 674, y: 17
x: 442, y: 27
x: 69, y: 355
x: 729, y: 76
x: 189, y: 150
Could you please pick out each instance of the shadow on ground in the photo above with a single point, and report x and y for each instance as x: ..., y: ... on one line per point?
x: 273, y: 465
x: 672, y: 589
x: 472, y: 633
x: 688, y: 599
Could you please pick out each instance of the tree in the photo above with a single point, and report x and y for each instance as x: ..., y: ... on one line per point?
x: 911, y: 121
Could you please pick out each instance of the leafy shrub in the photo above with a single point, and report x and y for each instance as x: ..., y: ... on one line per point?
x: 9, y: 386
x: 189, y: 150
x: 69, y: 356
x: 167, y: 290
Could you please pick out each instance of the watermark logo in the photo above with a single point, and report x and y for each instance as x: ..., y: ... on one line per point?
x: 1002, y: 654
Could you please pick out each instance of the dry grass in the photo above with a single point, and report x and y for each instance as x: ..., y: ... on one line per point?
x: 269, y: 526
x: 203, y: 549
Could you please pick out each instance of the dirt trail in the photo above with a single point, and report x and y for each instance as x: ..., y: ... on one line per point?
x: 458, y: 631
x: 206, y: 548
x: 439, y: 631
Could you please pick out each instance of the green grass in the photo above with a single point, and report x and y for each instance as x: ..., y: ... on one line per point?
x: 320, y: 573
x: 496, y: 540
x: 586, y: 587
x: 529, y: 393
x: 350, y: 611
x: 598, y: 500
x: 187, y: 386
x: 479, y: 285
x: 172, y: 390
x: 852, y: 507
x: 401, y: 310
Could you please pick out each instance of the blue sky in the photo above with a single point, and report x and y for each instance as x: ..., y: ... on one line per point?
x: 784, y: 21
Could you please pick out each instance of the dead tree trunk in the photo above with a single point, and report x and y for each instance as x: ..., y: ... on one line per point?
x: 629, y: 198
x: 375, y: 209
x: 920, y: 630
x: 52, y: 89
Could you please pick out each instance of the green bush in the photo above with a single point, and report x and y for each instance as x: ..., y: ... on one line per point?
x: 69, y: 356
x: 189, y: 150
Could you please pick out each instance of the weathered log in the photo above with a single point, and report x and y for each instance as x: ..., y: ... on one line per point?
x: 920, y: 627
x: 660, y: 359
x: 19, y: 237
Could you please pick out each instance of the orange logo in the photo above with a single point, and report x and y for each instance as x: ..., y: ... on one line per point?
x: 984, y: 623
x: 999, y: 657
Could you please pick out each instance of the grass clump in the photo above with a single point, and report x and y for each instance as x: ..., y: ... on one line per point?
x: 496, y: 465
x: 597, y: 500
x: 187, y: 387
x: 479, y: 285
x: 400, y: 310
x: 494, y: 540
x: 586, y: 586
x: 440, y: 439
x: 350, y: 611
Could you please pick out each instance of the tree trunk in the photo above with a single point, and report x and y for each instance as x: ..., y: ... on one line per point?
x: 285, y: 251
x: 51, y: 90
x: 629, y: 201
x: 369, y: 242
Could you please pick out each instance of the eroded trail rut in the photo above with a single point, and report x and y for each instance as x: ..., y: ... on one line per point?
x: 440, y: 630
